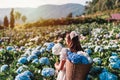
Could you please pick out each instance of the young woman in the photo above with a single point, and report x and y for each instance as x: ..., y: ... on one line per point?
x: 73, y: 44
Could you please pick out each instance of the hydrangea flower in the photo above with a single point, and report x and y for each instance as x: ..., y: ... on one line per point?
x: 27, y: 52
x: 56, y: 49
x: 3, y: 68
x: 97, y: 60
x: 26, y: 75
x: 22, y: 60
x: 107, y: 76
x: 113, y: 58
x: 19, y: 70
x: 47, y: 72
x: 89, y: 51
x: 98, y: 49
x: 115, y: 65
x: 42, y: 50
x: 44, y: 61
x: 36, y: 52
x: 22, y: 77
x: 31, y: 57
x: 36, y: 61
x: 114, y: 54
x: 77, y: 58
x: 9, y: 48
x: 49, y: 47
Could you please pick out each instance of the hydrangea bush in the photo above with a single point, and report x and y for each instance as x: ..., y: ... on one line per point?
x: 39, y: 60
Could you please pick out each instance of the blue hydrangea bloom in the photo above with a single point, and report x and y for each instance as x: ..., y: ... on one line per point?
x: 89, y: 51
x: 77, y: 58
x: 49, y: 47
x: 114, y: 65
x: 22, y: 77
x: 42, y: 50
x: 19, y: 70
x: 113, y: 58
x: 114, y: 54
x: 36, y: 52
x: 36, y: 61
x: 22, y: 60
x: 28, y: 73
x: 47, y: 72
x: 97, y: 60
x: 9, y: 48
x: 107, y: 76
x: 44, y: 61
x: 31, y: 57
x: 3, y: 68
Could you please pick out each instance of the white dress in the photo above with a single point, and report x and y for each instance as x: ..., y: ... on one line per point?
x: 63, y: 56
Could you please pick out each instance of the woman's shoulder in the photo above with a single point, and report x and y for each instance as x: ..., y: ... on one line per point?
x: 64, y: 50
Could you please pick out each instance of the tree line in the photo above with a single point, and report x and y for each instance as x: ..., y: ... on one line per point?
x: 14, y: 17
x: 101, y: 5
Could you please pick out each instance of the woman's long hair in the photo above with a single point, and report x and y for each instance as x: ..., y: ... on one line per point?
x: 74, y: 44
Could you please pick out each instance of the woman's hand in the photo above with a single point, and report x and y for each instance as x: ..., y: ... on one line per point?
x: 56, y: 64
x: 59, y: 66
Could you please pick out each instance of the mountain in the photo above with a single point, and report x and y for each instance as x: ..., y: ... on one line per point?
x: 46, y: 11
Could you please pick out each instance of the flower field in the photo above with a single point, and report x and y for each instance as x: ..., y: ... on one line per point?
x: 25, y: 54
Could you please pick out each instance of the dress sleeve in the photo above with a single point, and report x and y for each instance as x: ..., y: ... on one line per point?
x: 63, y: 54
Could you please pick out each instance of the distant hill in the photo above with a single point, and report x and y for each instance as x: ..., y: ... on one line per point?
x: 46, y: 11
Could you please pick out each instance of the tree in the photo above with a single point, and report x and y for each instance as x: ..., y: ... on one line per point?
x: 24, y: 18
x: 69, y: 15
x: 17, y: 15
x: 12, y: 20
x: 6, y: 22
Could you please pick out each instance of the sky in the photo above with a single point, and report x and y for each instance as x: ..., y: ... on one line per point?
x: 36, y: 3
